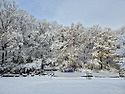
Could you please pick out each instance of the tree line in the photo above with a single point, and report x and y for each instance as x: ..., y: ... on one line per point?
x: 25, y: 39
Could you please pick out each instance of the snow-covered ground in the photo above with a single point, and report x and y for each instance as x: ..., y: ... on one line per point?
x: 79, y: 74
x: 61, y: 85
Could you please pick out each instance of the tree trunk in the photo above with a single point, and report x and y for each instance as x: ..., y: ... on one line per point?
x: 3, y: 56
x: 5, y: 48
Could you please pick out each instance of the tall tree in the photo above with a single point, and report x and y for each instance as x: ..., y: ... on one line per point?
x: 8, y: 16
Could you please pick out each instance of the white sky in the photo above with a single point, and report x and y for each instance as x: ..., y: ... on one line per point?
x: 106, y: 13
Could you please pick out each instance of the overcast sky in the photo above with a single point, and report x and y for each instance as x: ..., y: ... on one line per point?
x: 106, y: 13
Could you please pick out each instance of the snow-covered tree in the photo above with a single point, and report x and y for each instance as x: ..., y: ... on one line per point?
x: 8, y: 16
x: 69, y: 47
x: 120, y: 43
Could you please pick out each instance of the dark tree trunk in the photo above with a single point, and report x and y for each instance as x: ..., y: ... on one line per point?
x: 5, y: 48
x: 3, y: 55
x: 2, y: 58
x: 101, y: 66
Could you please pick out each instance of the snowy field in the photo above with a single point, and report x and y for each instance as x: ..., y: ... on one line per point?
x: 61, y: 85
